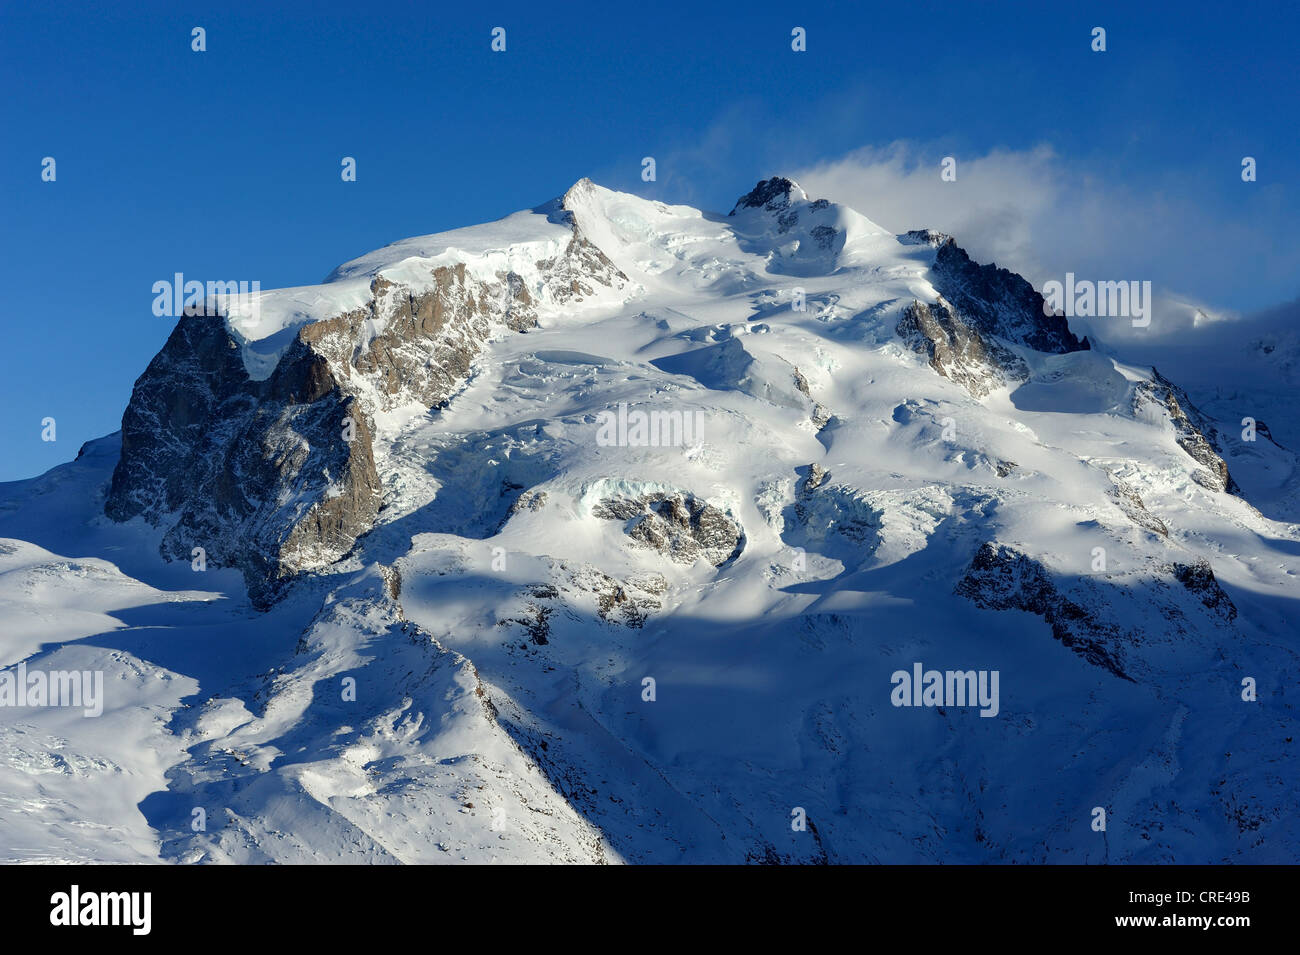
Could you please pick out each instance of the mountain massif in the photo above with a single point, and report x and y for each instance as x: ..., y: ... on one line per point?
x: 603, y: 533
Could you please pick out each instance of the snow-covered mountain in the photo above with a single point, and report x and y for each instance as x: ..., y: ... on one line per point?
x: 602, y: 533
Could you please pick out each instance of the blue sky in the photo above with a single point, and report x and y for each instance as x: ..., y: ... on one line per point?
x: 225, y: 164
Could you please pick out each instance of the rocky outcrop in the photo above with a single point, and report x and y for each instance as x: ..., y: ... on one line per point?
x: 982, y: 308
x: 1193, y: 431
x: 271, y: 477
x: 831, y: 518
x: 821, y: 415
x: 195, y: 381
x: 1002, y: 578
x: 809, y: 235
x: 771, y: 195
x: 958, y: 349
x: 1198, y: 577
x: 678, y: 525
x: 277, y: 476
x: 1098, y: 623
x: 1130, y: 502
x: 1263, y: 431
x: 994, y: 300
x: 580, y: 589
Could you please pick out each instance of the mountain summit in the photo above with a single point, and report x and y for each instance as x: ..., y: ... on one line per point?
x: 772, y: 195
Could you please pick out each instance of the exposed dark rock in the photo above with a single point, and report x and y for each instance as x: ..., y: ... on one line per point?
x: 997, y: 301
x: 393, y: 585
x: 959, y: 350
x: 831, y: 515
x: 679, y: 526
x: 277, y: 477
x: 821, y: 415
x: 825, y: 236
x: 773, y: 194
x: 1199, y: 579
x: 928, y: 237
x: 817, y: 476
x: 258, y: 474
x: 1002, y: 578
x: 1262, y: 430
x: 1131, y: 503
x: 980, y: 308
x: 197, y: 378
x: 1193, y: 431
x: 529, y: 501
x: 628, y: 603
x: 535, y: 623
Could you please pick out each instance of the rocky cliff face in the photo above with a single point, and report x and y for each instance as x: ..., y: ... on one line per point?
x: 1086, y: 618
x: 1194, y: 432
x: 994, y: 300
x: 772, y: 195
x: 277, y: 476
x: 981, y: 309
x: 957, y: 349
x: 268, y: 476
x: 678, y: 526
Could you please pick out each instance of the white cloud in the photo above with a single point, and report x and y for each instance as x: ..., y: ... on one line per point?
x: 1040, y: 215
x: 997, y: 207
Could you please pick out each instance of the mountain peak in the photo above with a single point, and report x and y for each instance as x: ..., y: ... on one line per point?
x: 581, y: 189
x: 772, y: 194
x: 930, y: 237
